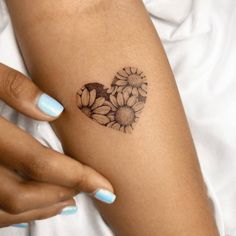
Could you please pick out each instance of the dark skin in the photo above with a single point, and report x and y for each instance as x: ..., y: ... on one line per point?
x: 45, y: 181
x: 154, y: 170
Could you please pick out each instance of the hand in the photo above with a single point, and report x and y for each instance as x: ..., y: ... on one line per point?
x: 37, y: 182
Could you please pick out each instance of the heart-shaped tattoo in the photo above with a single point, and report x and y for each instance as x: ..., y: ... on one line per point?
x: 118, y: 107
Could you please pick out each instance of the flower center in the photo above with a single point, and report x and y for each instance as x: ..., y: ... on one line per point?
x: 124, y: 115
x: 86, y: 111
x: 135, y: 80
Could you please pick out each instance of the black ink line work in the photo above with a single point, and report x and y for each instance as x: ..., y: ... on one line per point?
x: 118, y: 107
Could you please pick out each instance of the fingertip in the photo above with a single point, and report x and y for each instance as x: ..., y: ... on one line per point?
x: 70, y: 207
x: 49, y: 106
x: 105, y: 196
x: 21, y: 225
x: 69, y: 210
x: 97, y: 186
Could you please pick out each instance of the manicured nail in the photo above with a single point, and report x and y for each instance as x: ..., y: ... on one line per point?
x: 21, y: 225
x: 49, y: 105
x: 69, y: 210
x: 105, y: 196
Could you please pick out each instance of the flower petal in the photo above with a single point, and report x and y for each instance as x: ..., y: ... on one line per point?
x: 107, y: 103
x: 120, y: 99
x: 79, y: 92
x: 128, y: 89
x: 123, y: 73
x: 101, y: 119
x: 144, y: 87
x: 111, y: 89
x: 128, y: 129
x: 98, y: 102
x: 110, y: 124
x: 133, y: 125
x: 113, y: 100
x: 126, y: 97
x: 111, y: 116
x: 142, y: 92
x: 121, y: 82
x: 131, y: 101
x: 135, y: 91
x: 138, y: 113
x: 122, y: 129
x: 92, y: 97
x: 133, y: 70
x: 114, y: 90
x: 138, y: 106
x: 127, y: 70
x: 85, y: 97
x: 78, y: 100
x: 103, y: 110
x: 116, y: 126
x: 143, y: 77
x: 139, y: 72
x: 120, y: 77
x: 120, y: 88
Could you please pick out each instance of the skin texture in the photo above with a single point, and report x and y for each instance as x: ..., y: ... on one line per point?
x: 45, y: 181
x: 154, y: 170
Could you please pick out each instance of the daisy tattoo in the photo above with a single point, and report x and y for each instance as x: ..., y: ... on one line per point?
x: 118, y: 107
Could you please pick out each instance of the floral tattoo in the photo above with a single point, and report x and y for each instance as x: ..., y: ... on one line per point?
x: 118, y: 107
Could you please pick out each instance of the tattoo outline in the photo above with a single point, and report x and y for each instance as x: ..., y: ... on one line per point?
x: 118, y: 107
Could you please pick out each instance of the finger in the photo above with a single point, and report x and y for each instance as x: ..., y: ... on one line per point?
x: 7, y: 219
x: 39, y: 163
x: 30, y: 194
x: 23, y: 95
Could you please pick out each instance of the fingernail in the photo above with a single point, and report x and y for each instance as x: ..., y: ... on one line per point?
x: 49, y: 105
x: 105, y: 196
x: 69, y: 210
x: 21, y: 225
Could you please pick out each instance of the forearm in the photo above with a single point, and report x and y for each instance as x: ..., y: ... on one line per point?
x: 154, y: 169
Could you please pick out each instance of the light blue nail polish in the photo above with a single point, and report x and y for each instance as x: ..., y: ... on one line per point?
x: 22, y: 225
x: 49, y: 105
x: 69, y: 210
x: 105, y: 196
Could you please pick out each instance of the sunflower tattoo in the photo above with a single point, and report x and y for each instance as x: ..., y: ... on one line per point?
x: 118, y: 107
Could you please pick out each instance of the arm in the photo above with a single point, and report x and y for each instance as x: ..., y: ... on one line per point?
x: 154, y: 169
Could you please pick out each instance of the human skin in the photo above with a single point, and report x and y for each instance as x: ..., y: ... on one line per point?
x: 154, y: 170
x: 36, y: 182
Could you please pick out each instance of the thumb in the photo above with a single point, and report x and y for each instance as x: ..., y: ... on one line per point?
x: 23, y: 95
